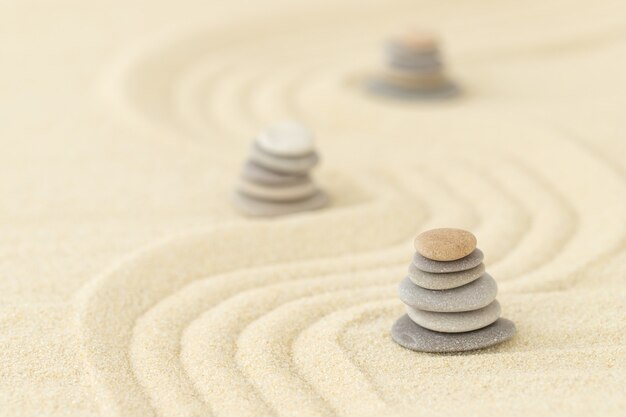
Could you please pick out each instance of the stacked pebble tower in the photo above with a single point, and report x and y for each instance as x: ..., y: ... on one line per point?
x: 275, y: 180
x: 414, y: 68
x: 450, y: 299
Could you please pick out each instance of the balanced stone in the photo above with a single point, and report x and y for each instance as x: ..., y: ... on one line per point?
x: 440, y: 267
x: 384, y: 88
x: 260, y: 208
x: 445, y: 244
x: 287, y: 139
x: 282, y: 193
x: 257, y: 174
x: 412, y: 336
x: 411, y: 42
x: 465, y: 321
x: 447, y: 281
x: 477, y: 294
x: 421, y: 61
x: 292, y: 165
x: 423, y: 80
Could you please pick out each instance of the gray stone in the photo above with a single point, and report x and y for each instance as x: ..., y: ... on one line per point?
x: 426, y: 61
x: 260, y: 175
x: 416, y: 65
x: 277, y: 193
x: 422, y: 80
x: 259, y: 208
x: 411, y: 335
x: 447, y: 281
x: 477, y: 294
x: 465, y: 321
x: 292, y: 165
x: 439, y: 267
x: 381, y: 87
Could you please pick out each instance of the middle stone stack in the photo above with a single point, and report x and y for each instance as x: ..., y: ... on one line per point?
x: 447, y: 289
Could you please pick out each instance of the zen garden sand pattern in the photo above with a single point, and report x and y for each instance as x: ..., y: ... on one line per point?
x: 131, y: 287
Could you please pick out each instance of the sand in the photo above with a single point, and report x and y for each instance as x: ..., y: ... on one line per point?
x: 130, y: 287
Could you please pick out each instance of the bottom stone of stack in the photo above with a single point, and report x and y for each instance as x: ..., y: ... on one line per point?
x: 262, y: 208
x: 382, y: 86
x: 411, y: 335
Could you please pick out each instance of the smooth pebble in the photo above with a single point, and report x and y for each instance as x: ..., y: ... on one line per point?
x: 423, y: 80
x: 446, y: 244
x: 296, y: 165
x: 413, y: 42
x: 440, y: 267
x: 274, y: 193
x: 411, y: 335
x: 287, y: 139
x: 259, y: 208
x: 447, y: 281
x: 456, y: 322
x: 381, y: 86
x: 477, y: 294
x: 258, y: 174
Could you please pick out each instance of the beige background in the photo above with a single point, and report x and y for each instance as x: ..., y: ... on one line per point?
x: 129, y: 286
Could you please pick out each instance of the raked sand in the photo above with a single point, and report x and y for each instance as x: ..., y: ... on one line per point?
x: 130, y: 287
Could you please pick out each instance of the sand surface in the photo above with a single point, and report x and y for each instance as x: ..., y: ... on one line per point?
x: 129, y: 286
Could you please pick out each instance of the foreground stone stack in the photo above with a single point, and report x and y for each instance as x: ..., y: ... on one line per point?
x: 275, y: 180
x: 450, y: 299
x: 414, y: 67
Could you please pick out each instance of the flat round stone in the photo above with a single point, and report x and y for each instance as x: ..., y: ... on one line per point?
x: 441, y: 267
x: 477, y: 294
x: 411, y: 335
x: 445, y: 244
x: 415, y: 65
x: 277, y: 193
x: 297, y: 165
x: 289, y: 139
x: 413, y: 42
x: 380, y: 86
x: 423, y: 80
x: 465, y: 321
x: 257, y: 174
x: 258, y: 208
x: 447, y: 281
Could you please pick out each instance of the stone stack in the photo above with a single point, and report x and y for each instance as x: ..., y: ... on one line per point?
x: 414, y: 68
x: 450, y: 299
x: 275, y: 180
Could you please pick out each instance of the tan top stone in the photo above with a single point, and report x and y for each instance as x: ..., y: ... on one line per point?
x: 445, y: 244
x: 416, y: 41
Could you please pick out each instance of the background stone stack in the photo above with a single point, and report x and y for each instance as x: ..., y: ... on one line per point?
x: 275, y: 180
x: 414, y: 67
x: 450, y: 300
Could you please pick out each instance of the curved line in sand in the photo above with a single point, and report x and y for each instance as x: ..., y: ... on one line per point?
x: 183, y: 260
x: 276, y: 330
x: 208, y: 362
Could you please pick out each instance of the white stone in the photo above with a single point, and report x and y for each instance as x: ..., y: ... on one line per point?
x: 286, y: 139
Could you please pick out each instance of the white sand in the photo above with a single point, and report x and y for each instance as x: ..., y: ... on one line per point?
x: 130, y: 287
